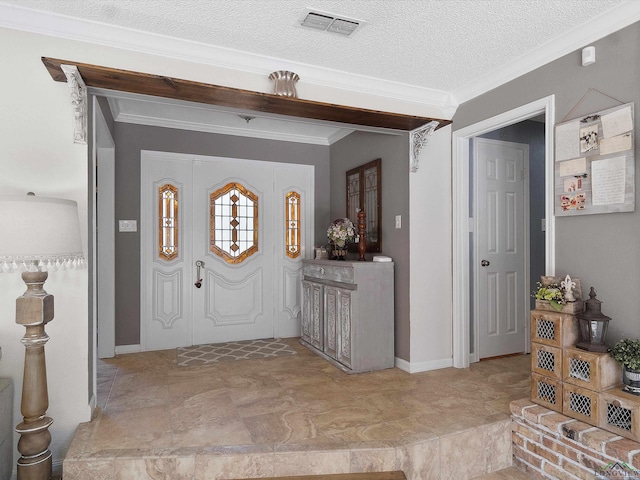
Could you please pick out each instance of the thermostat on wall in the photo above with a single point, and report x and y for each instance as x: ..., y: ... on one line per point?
x: 128, y: 226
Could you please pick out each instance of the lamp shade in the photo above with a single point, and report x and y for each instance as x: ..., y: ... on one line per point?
x: 39, y: 231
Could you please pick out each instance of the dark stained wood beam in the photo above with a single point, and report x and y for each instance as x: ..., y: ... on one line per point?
x: 168, y: 87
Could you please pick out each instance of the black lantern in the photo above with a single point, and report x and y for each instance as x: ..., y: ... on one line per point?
x: 593, y: 326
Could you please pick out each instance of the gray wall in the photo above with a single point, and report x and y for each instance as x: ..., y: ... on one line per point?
x: 532, y: 134
x: 602, y: 250
x: 357, y: 149
x: 131, y: 139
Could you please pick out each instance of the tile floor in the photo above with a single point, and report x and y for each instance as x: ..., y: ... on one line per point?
x: 295, y: 415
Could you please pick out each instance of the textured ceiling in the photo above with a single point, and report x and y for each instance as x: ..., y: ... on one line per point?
x: 437, y: 52
x: 437, y: 44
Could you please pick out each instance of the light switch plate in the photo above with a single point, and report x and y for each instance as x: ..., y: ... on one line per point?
x: 398, y: 221
x: 127, y: 225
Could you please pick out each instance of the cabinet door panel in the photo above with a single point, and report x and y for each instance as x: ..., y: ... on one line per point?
x: 344, y: 327
x: 305, y: 320
x: 317, y: 314
x: 331, y: 321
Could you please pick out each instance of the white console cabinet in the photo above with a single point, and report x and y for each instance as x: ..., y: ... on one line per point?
x: 347, y: 313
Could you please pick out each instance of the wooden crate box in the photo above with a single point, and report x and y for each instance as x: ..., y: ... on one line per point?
x: 546, y: 360
x: 554, y: 328
x: 571, y: 307
x: 592, y: 370
x: 546, y: 391
x: 580, y: 403
x: 619, y: 412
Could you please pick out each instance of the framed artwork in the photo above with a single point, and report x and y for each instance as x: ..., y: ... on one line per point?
x: 363, y: 193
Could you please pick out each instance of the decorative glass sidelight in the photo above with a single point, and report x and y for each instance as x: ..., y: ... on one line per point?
x: 233, y: 223
x: 167, y: 222
x: 293, y: 225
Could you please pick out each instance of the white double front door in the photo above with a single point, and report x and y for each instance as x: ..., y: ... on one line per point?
x: 217, y: 258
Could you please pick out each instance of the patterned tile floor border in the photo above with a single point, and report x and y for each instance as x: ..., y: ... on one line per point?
x: 230, y: 351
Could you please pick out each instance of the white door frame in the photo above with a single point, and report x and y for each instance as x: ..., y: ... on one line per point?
x: 462, y: 224
x: 104, y: 235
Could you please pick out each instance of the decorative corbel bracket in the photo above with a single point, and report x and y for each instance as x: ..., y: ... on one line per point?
x: 79, y: 102
x: 418, y: 139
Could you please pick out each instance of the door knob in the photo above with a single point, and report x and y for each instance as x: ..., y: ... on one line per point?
x: 199, y: 265
x: 485, y: 263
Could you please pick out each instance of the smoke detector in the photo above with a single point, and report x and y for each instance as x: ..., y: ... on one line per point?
x: 329, y: 22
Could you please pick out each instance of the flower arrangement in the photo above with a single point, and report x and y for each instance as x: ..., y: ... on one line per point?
x: 341, y: 232
x: 552, y: 293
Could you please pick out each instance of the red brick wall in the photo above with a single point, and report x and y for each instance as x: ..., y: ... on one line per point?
x: 547, y: 444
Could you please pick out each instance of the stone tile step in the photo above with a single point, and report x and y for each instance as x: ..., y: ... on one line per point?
x: 511, y: 473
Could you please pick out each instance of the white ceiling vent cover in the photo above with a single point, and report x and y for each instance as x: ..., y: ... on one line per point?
x: 329, y: 22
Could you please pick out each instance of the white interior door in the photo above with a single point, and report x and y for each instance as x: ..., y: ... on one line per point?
x: 250, y: 224
x: 501, y: 259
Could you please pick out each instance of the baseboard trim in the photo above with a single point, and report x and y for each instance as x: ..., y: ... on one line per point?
x: 121, y: 349
x: 417, y: 367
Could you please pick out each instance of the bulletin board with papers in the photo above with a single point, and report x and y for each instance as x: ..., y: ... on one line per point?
x: 595, y: 163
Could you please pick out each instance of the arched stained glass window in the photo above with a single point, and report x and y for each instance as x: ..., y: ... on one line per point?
x: 293, y: 225
x: 167, y: 222
x: 233, y: 223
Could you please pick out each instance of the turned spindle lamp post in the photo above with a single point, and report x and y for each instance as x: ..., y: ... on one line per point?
x: 37, y: 235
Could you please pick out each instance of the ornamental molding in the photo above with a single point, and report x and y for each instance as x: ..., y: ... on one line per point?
x: 419, y: 138
x: 78, y: 101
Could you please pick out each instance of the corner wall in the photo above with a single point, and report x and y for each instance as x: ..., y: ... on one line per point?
x: 431, y: 256
x: 602, y: 250
x: 358, y: 149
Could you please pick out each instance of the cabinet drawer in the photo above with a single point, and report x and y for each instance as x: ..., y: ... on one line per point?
x: 554, y: 328
x: 592, y: 370
x: 580, y: 403
x: 619, y: 412
x: 335, y: 273
x: 546, y: 360
x: 546, y: 391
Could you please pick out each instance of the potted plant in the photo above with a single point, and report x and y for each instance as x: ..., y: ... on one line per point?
x: 627, y: 352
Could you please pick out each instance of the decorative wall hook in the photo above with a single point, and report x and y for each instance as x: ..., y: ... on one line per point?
x: 79, y: 102
x: 418, y: 139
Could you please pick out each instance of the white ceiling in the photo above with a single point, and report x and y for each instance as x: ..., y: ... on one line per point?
x: 433, y: 51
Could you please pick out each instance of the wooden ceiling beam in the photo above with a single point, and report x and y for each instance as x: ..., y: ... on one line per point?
x: 168, y: 87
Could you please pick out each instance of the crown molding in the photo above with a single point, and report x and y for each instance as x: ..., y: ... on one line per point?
x: 46, y: 23
x: 615, y: 19
x: 224, y: 130
x: 165, y: 122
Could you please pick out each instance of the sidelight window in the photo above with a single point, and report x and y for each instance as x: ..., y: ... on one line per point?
x: 167, y: 222
x: 293, y: 225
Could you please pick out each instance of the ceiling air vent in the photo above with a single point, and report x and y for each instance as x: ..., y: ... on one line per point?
x: 329, y: 23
